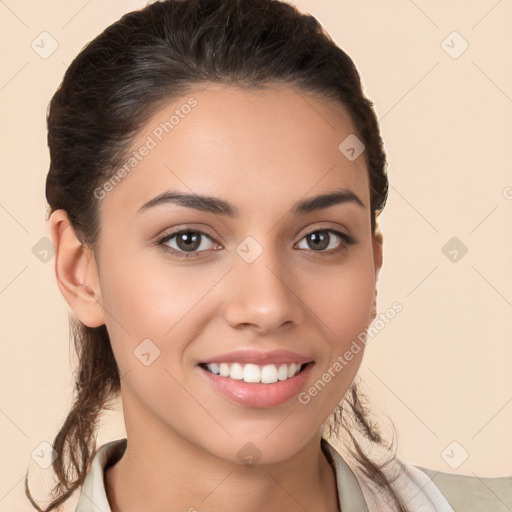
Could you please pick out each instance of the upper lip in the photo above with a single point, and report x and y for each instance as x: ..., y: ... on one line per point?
x: 259, y: 358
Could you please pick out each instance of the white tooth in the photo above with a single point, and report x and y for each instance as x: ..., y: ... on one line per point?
x: 252, y: 373
x: 292, y: 369
x: 282, y: 372
x: 224, y: 369
x: 213, y: 367
x: 269, y: 374
x: 236, y: 371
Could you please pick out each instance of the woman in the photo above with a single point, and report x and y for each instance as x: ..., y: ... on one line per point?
x: 215, y: 182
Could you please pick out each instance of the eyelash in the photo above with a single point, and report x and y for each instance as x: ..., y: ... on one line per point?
x: 347, y: 240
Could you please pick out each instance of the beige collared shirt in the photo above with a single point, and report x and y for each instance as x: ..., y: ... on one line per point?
x: 421, y: 489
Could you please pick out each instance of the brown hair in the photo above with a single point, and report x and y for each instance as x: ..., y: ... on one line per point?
x: 111, y: 89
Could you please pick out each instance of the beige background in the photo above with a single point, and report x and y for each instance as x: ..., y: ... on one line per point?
x: 441, y: 368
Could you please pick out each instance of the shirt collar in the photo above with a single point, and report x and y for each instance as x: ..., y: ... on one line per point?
x: 93, y: 497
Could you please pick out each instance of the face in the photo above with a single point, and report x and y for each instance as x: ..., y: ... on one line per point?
x: 200, y: 296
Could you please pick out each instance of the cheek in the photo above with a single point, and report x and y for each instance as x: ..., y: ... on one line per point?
x: 149, y: 296
x: 342, y: 303
x: 343, y: 298
x: 144, y: 299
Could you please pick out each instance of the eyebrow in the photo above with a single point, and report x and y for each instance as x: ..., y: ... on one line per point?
x: 220, y: 207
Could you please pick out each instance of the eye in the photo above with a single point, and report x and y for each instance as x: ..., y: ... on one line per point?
x: 188, y: 241
x: 321, y: 239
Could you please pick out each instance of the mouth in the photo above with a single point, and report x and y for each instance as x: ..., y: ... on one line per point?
x: 256, y: 379
x: 253, y: 373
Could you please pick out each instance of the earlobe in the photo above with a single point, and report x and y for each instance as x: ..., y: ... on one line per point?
x: 76, y: 271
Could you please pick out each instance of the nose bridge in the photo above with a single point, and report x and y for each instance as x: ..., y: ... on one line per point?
x: 261, y: 287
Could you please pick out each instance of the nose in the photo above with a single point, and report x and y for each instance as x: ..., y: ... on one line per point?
x: 263, y: 294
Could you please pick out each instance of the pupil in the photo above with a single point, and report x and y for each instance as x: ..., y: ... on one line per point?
x: 322, y: 237
x: 191, y: 240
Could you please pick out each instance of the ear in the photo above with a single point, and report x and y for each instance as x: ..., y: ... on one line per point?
x: 76, y: 271
x: 378, y: 242
x: 377, y: 261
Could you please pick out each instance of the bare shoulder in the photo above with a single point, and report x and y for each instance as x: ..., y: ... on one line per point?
x: 472, y: 493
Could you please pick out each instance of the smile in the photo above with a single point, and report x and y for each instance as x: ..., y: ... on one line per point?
x: 257, y: 386
x: 267, y: 374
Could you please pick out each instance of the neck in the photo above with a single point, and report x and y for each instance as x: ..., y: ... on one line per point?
x: 155, y: 472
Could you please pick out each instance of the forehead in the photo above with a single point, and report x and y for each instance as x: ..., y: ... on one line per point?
x: 261, y: 148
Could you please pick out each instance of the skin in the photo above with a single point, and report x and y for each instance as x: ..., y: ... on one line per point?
x: 266, y: 150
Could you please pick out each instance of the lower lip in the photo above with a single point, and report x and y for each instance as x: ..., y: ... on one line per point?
x: 255, y: 394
